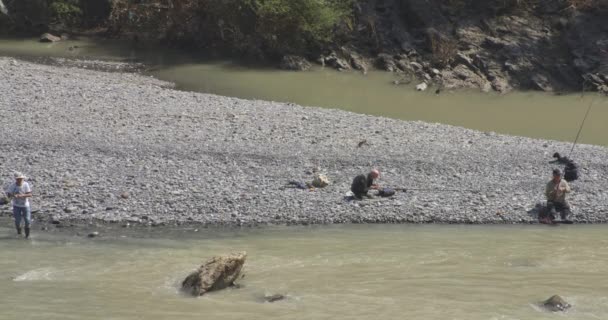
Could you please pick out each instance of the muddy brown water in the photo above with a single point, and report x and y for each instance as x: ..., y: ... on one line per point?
x: 332, y: 272
x: 530, y: 114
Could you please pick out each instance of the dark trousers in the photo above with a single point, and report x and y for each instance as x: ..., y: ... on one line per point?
x: 360, y: 195
x: 554, y: 207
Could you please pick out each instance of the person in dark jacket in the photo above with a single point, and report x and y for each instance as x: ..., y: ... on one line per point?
x: 362, y: 184
x: 570, y: 170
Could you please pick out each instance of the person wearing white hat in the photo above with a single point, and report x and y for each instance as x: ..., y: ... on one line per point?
x: 20, y: 191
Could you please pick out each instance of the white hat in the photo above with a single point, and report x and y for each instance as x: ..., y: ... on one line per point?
x: 19, y: 175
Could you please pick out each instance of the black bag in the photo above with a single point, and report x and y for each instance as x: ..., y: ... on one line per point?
x: 386, y: 192
x: 571, y: 172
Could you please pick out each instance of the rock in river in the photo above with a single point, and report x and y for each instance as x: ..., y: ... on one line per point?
x: 47, y: 37
x: 556, y: 304
x: 217, y: 273
x: 274, y: 298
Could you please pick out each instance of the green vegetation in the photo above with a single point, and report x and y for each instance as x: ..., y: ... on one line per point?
x: 286, y: 25
x: 65, y: 11
x: 269, y: 27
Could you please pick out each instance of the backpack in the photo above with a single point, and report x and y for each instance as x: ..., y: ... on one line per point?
x: 571, y: 172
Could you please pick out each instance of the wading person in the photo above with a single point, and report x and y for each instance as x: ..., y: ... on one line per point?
x: 362, y: 184
x: 556, y: 192
x: 20, y: 192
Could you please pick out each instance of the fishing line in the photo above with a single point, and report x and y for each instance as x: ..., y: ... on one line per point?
x: 580, y: 129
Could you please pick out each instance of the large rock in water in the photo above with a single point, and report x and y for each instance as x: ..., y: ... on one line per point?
x: 556, y: 304
x: 218, y: 273
x: 47, y: 37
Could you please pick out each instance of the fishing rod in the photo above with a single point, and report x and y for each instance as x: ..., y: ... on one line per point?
x: 580, y: 129
x: 436, y: 190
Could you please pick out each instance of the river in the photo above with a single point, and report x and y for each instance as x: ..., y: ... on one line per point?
x: 327, y: 272
x: 332, y: 272
x: 531, y: 114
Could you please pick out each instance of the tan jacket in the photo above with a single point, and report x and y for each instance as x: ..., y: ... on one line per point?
x: 557, y: 193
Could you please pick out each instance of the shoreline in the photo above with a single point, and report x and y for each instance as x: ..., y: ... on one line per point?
x: 122, y: 147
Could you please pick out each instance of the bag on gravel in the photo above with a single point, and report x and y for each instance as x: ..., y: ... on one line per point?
x: 386, y: 192
x: 571, y: 172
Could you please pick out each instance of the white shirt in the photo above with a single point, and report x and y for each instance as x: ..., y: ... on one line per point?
x: 23, y: 189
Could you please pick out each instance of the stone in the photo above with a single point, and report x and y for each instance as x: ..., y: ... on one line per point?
x: 320, y: 181
x: 556, y: 304
x: 125, y: 195
x: 93, y: 234
x: 47, y: 37
x: 274, y: 298
x: 465, y: 60
x: 501, y: 85
x: 416, y: 66
x: 295, y: 63
x: 541, y: 82
x: 358, y: 62
x: 422, y: 87
x: 495, y: 43
x: 386, y: 62
x: 70, y: 209
x: 217, y: 273
x: 336, y: 62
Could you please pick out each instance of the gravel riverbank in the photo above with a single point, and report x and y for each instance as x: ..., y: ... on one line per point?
x: 123, y: 147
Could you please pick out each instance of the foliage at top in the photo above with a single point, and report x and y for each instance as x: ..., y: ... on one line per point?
x: 271, y: 26
x: 65, y: 11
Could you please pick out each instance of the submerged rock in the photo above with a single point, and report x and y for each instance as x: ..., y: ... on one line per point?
x: 556, y: 304
x: 274, y: 298
x: 217, y: 273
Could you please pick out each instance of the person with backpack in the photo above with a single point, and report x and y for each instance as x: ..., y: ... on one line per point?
x: 20, y: 191
x: 555, y: 192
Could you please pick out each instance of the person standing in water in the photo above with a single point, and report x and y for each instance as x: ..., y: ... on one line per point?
x: 20, y: 191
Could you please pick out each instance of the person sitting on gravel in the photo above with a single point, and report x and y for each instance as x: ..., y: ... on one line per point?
x: 555, y: 192
x: 20, y: 191
x: 362, y: 184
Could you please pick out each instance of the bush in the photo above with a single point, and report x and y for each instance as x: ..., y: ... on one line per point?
x: 288, y: 25
x: 65, y: 11
x: 275, y: 27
